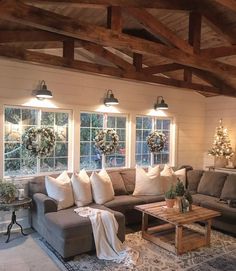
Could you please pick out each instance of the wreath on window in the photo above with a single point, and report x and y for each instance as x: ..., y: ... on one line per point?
x: 156, y: 141
x: 106, y: 141
x: 39, y: 141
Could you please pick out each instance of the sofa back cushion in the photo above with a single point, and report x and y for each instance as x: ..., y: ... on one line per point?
x: 128, y: 176
x: 212, y: 183
x: 229, y: 188
x: 193, y: 179
x: 117, y: 182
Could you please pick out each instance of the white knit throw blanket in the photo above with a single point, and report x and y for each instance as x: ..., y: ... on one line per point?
x: 105, y: 228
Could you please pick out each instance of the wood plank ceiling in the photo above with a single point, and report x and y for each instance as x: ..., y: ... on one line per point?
x: 186, y: 44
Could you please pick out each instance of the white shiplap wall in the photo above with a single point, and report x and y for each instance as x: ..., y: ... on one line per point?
x: 79, y: 91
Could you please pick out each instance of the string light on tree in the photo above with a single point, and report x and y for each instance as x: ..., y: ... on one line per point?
x: 221, y: 146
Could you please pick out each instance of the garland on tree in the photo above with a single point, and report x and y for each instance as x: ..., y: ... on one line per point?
x: 106, y: 141
x: 221, y: 145
x: 39, y: 141
x: 156, y: 141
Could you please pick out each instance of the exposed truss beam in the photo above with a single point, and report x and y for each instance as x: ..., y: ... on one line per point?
x: 231, y: 4
x: 107, y: 55
x: 56, y: 61
x: 18, y: 12
x: 162, y: 68
x: 160, y: 4
x: 159, y: 29
x: 219, y: 51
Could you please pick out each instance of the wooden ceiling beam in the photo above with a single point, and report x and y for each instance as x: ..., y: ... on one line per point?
x: 138, y: 61
x: 231, y: 4
x: 162, y: 68
x: 160, y: 4
x: 157, y: 28
x: 216, y: 52
x: 107, y: 55
x: 7, y: 36
x: 45, y: 20
x: 114, y: 18
x: 69, y: 49
x: 194, y: 38
x: 56, y: 61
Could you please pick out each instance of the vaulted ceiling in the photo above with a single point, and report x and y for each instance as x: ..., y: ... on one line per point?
x: 180, y: 43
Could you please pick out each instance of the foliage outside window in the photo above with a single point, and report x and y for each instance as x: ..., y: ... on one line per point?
x: 144, y: 126
x: 90, y: 124
x: 18, y: 161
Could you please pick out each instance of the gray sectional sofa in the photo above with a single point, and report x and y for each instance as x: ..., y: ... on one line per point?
x: 71, y: 234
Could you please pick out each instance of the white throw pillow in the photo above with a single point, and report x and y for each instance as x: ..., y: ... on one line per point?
x: 169, y: 177
x: 60, y: 189
x: 148, y: 183
x: 81, y: 188
x: 102, y: 188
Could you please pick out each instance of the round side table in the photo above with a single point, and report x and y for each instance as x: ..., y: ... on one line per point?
x: 14, y: 206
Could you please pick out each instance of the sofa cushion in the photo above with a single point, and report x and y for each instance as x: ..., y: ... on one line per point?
x: 124, y: 203
x: 212, y: 183
x: 148, y: 183
x: 128, y: 176
x: 199, y: 198
x: 227, y: 213
x: 67, y: 224
x: 102, y: 188
x: 60, y: 189
x: 117, y: 182
x: 229, y: 188
x: 193, y: 179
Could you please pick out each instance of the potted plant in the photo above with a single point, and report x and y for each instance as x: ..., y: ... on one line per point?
x: 170, y: 196
x: 189, y: 198
x: 179, y: 190
x: 7, y: 192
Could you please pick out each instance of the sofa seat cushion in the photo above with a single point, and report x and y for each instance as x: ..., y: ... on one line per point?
x: 124, y: 203
x: 67, y: 224
x: 227, y: 213
x: 150, y: 199
x: 211, y: 183
x: 198, y: 199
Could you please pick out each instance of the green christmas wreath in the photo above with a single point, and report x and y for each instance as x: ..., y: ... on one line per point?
x: 156, y: 141
x: 39, y: 141
x: 106, y: 141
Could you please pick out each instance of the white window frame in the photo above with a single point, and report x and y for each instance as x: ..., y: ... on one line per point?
x: 172, y: 140
x: 127, y: 153
x: 70, y: 137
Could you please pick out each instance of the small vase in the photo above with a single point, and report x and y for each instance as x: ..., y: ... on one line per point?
x: 170, y: 203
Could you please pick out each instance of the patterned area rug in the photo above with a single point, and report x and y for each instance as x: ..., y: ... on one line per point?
x: 221, y: 256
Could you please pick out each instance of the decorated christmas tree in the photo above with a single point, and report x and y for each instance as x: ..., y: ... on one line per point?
x: 221, y: 146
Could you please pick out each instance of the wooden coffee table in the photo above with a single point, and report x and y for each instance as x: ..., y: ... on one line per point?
x: 174, y: 235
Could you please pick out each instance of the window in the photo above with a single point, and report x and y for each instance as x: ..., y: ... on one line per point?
x: 90, y: 124
x: 144, y: 126
x: 17, y: 159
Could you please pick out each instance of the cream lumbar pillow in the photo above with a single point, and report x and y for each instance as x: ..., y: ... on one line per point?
x: 169, y: 177
x: 60, y: 189
x: 148, y: 183
x: 102, y: 188
x: 82, y: 188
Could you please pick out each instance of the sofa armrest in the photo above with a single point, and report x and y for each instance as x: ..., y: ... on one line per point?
x: 44, y: 204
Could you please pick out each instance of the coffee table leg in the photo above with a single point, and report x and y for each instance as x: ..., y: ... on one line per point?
x: 144, y: 222
x: 208, y: 232
x: 178, y: 239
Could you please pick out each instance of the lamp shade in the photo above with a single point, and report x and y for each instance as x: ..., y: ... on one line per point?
x: 43, y: 92
x: 160, y: 104
x: 110, y: 99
